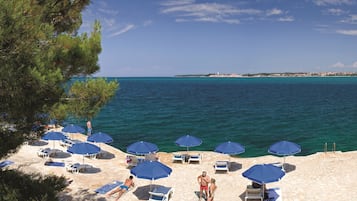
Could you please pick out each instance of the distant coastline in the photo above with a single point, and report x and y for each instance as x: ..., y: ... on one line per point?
x: 285, y: 74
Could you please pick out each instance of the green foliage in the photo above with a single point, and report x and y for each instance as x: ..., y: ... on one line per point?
x: 40, y: 51
x: 64, y: 15
x: 86, y: 98
x: 78, y: 56
x: 20, y: 58
x: 9, y: 146
x: 59, y: 111
x: 15, y: 185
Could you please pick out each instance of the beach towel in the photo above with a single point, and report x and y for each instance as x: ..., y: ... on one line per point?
x: 56, y: 164
x: 108, y: 187
x: 5, y: 163
x: 274, y: 194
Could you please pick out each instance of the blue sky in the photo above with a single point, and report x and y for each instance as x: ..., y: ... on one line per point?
x: 171, y: 37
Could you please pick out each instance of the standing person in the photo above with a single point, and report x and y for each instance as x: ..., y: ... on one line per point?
x: 212, y: 188
x: 203, y: 181
x: 122, y: 189
x: 89, y: 128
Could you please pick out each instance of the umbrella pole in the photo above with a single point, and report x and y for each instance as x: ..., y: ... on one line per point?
x: 187, y: 155
x: 229, y: 162
x: 150, y: 185
x: 284, y: 163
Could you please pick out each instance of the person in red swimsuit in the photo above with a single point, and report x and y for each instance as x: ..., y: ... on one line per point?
x: 203, y: 181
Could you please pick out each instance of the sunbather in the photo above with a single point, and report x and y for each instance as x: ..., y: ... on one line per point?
x: 203, y: 181
x: 211, y: 190
x: 122, y: 188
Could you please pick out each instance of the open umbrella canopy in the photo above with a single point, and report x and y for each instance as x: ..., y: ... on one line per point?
x: 151, y: 170
x: 83, y: 148
x: 264, y: 173
x: 71, y: 128
x: 284, y: 148
x: 100, y: 137
x: 142, y: 148
x: 54, y: 136
x: 188, y: 141
x: 230, y: 148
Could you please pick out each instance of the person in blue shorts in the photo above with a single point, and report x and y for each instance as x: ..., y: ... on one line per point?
x: 122, y: 188
x: 89, y: 128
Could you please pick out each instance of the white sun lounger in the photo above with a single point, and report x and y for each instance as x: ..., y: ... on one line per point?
x: 178, y: 158
x: 253, y: 193
x: 161, y: 193
x: 47, y: 152
x: 221, y: 166
x: 73, y: 167
x: 68, y: 142
x: 195, y: 158
x: 91, y: 156
x: 77, y: 167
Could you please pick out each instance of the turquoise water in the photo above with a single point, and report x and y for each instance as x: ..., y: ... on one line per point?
x: 255, y: 112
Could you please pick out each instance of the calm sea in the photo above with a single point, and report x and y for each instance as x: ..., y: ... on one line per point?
x: 255, y: 112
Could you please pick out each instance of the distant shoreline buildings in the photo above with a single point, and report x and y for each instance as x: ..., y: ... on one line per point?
x: 286, y: 74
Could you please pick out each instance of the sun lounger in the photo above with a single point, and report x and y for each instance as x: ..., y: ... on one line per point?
x: 178, y: 158
x: 47, y: 152
x: 195, y: 158
x: 133, y: 161
x: 84, y: 167
x: 91, y: 156
x: 221, y: 166
x: 68, y: 142
x: 101, y: 154
x: 77, y: 167
x: 5, y: 163
x: 161, y: 193
x: 253, y: 193
x: 274, y: 194
x: 278, y: 164
x: 43, y: 152
x: 73, y: 167
x: 151, y: 157
x: 108, y: 187
x: 55, y: 164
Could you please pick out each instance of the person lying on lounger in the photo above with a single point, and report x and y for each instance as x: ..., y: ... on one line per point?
x: 122, y: 188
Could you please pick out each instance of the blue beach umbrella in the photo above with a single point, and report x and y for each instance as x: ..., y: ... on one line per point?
x: 231, y: 148
x: 100, y: 137
x: 264, y: 173
x: 54, y: 136
x: 83, y: 148
x: 151, y: 170
x: 71, y: 128
x: 142, y: 148
x: 284, y: 148
x: 188, y: 141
